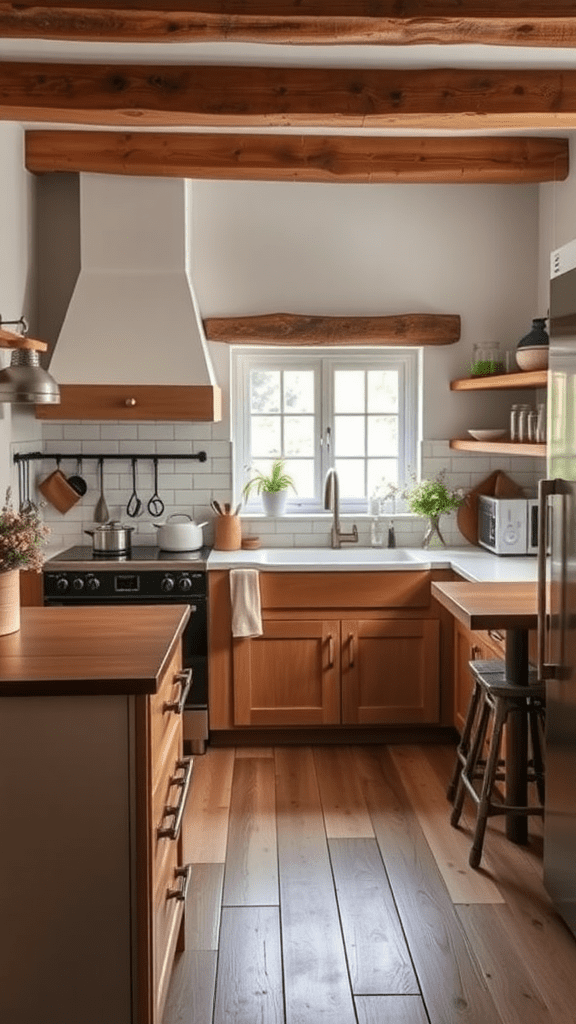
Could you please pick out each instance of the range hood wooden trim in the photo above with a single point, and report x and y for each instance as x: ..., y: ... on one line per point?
x: 164, y: 402
x: 300, y: 329
x: 318, y: 158
x: 318, y: 22
x: 157, y: 95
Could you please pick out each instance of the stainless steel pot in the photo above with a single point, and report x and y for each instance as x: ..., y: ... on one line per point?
x: 111, y: 539
x: 179, y: 536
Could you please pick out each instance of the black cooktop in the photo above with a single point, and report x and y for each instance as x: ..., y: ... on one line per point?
x: 82, y: 557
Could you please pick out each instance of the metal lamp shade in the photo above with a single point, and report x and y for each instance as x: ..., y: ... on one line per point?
x: 26, y: 381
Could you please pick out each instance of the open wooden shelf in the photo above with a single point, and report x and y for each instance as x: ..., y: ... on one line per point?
x: 502, y: 447
x: 503, y: 381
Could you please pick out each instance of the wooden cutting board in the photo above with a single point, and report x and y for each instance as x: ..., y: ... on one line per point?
x: 497, y: 484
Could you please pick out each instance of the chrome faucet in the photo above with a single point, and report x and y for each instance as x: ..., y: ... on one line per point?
x: 332, y: 502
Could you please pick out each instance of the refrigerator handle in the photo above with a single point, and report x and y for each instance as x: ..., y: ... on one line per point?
x: 545, y: 488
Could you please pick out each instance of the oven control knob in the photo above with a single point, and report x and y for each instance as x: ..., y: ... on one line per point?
x: 185, y: 584
x: 167, y: 584
x: 78, y: 583
x: 62, y: 584
x: 93, y: 583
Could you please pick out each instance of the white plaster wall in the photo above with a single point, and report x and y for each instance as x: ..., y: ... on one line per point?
x: 17, y: 425
x: 557, y: 222
x: 377, y: 249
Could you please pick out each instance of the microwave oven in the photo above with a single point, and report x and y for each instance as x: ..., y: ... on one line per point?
x: 508, y: 526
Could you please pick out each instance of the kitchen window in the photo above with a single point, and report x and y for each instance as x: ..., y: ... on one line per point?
x: 355, y: 411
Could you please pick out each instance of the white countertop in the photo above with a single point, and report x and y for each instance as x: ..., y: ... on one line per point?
x: 474, y: 564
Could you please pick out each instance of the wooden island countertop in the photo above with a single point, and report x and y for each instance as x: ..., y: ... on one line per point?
x: 490, y: 605
x: 90, y: 650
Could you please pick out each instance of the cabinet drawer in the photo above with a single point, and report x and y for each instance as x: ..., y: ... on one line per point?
x: 167, y: 792
x: 162, y: 719
x: 135, y: 402
x: 341, y: 590
x: 167, y: 912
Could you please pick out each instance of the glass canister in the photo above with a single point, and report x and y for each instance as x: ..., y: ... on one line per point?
x: 514, y: 422
x: 523, y: 414
x: 532, y: 426
x: 541, y: 428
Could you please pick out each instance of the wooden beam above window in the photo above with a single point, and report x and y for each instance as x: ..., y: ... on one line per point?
x: 169, y: 96
x: 324, y: 158
x: 319, y: 22
x: 300, y: 329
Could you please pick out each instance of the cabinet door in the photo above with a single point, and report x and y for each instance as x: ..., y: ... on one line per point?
x: 390, y: 671
x: 468, y: 646
x: 290, y: 675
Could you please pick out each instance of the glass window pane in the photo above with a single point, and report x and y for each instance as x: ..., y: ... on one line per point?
x: 382, y: 435
x: 302, y: 473
x: 266, y: 439
x: 381, y: 473
x: 351, y: 476
x: 299, y: 435
x: 349, y: 390
x: 383, y: 390
x: 265, y: 391
x: 349, y: 436
x: 299, y: 391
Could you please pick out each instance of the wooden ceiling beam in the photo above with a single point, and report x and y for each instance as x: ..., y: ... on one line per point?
x: 299, y: 329
x: 187, y: 95
x: 305, y: 22
x: 319, y: 158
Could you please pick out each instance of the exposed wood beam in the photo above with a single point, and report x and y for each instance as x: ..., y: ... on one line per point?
x: 299, y: 329
x: 176, y: 95
x: 247, y: 157
x: 318, y: 22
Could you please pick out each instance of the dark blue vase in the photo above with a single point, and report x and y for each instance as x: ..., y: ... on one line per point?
x: 537, y: 335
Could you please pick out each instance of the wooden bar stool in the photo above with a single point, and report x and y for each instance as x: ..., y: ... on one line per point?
x: 493, y: 700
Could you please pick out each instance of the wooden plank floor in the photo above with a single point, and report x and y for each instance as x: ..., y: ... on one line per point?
x: 328, y: 887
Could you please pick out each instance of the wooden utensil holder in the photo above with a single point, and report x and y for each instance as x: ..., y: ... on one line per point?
x: 228, y: 536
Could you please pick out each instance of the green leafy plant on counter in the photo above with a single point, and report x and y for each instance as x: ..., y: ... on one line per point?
x: 271, y: 483
x: 433, y: 497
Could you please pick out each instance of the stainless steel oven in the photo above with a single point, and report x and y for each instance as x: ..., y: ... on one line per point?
x: 145, y: 576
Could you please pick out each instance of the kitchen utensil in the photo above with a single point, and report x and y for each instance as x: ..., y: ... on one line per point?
x: 486, y: 435
x: 101, y: 513
x: 228, y: 535
x: 213, y: 505
x: 227, y: 508
x: 111, y: 539
x: 180, y: 536
x: 217, y: 507
x: 56, y: 490
x: 156, y: 505
x: 134, y: 506
x: 77, y: 481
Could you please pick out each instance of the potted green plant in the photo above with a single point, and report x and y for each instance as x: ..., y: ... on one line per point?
x: 432, y: 498
x: 272, y: 487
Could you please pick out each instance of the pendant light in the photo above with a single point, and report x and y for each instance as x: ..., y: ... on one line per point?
x: 24, y: 380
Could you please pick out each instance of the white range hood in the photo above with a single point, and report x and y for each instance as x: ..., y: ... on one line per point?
x: 133, y: 317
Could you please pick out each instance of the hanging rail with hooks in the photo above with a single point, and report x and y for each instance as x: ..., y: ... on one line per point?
x: 116, y: 456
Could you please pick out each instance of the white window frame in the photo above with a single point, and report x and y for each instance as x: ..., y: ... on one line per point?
x: 325, y: 362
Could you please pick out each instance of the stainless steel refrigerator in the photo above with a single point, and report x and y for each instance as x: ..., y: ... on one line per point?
x: 557, y: 590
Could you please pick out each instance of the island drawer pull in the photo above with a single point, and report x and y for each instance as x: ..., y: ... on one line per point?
x: 184, y: 873
x: 177, y: 811
x: 184, y: 678
x: 330, y: 651
x: 351, y: 641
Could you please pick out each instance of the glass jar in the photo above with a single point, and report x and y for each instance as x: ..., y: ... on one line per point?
x: 532, y: 426
x: 523, y: 413
x: 541, y: 428
x: 514, y: 422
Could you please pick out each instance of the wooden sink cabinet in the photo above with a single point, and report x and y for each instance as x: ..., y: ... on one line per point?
x: 337, y: 649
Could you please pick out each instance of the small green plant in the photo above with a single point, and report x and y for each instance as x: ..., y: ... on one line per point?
x: 433, y: 497
x: 276, y: 480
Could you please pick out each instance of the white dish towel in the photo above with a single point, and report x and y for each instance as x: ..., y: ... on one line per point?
x: 246, y: 607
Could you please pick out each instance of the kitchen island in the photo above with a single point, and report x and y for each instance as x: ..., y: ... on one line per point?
x: 92, y: 787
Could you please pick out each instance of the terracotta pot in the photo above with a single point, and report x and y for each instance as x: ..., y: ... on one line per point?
x: 9, y: 601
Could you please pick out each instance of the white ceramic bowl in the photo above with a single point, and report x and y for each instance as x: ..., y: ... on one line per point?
x: 486, y: 435
x: 533, y: 357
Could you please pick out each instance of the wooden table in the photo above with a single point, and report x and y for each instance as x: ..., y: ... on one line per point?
x: 513, y: 607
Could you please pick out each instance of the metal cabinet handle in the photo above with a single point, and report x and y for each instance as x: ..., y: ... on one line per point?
x: 184, y: 678
x: 184, y: 873
x: 496, y: 635
x: 177, y: 811
x: 351, y: 642
x: 475, y: 652
x: 129, y: 402
x: 331, y: 651
x: 545, y: 489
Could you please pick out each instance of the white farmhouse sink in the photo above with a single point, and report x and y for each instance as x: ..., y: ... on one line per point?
x: 349, y: 557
